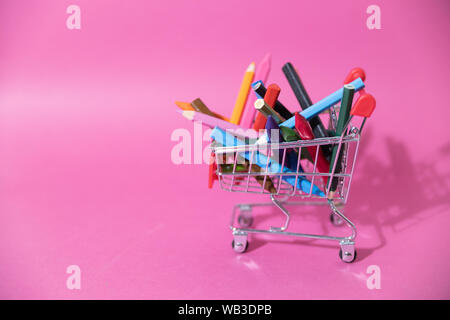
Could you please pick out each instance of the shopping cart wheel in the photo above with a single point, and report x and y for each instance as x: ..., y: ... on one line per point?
x: 240, y: 247
x: 245, y: 220
x: 335, y: 219
x: 240, y: 243
x: 347, y: 253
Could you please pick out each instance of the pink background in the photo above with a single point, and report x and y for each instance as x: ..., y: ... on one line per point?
x: 86, y: 176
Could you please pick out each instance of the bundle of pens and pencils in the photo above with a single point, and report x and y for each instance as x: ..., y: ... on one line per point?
x: 266, y: 147
x: 259, y: 118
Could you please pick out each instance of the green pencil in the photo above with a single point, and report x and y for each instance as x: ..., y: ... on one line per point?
x: 344, y: 114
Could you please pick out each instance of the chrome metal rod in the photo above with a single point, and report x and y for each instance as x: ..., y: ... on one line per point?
x: 283, y: 209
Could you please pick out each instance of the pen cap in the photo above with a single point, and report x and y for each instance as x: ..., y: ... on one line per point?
x: 354, y: 74
x: 364, y: 106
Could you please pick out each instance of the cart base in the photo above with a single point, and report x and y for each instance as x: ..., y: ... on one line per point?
x: 240, y: 242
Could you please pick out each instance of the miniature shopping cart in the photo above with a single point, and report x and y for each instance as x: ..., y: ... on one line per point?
x: 237, y: 173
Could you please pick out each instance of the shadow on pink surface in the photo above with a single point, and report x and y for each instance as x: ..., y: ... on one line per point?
x: 395, y: 192
x: 398, y: 194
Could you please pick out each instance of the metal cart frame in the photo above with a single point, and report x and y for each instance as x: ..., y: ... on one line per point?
x: 245, y: 181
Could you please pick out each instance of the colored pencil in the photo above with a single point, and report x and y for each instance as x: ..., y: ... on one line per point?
x: 200, y: 106
x: 270, y: 98
x: 212, y: 122
x: 344, y: 114
x: 262, y: 73
x: 263, y: 107
x: 260, y: 90
x: 243, y: 94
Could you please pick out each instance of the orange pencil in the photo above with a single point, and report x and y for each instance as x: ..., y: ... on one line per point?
x: 243, y: 94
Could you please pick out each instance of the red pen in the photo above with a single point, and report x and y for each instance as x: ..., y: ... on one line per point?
x: 305, y: 131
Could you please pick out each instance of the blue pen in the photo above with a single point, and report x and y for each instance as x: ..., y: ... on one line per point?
x: 261, y: 160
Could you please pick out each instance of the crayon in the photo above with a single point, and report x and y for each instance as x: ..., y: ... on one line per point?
x: 262, y: 73
x: 243, y: 94
x: 262, y: 161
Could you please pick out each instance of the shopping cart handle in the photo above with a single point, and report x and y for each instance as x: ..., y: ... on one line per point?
x: 354, y: 74
x: 364, y: 106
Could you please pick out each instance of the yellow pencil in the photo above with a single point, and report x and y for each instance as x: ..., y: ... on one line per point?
x: 243, y: 94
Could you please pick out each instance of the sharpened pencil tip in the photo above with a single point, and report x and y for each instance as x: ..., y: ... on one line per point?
x: 251, y: 67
